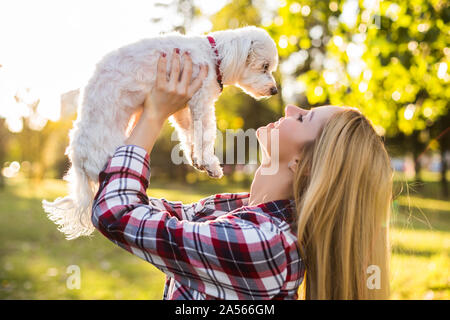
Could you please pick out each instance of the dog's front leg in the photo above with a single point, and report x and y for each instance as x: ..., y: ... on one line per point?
x: 210, y: 160
x: 203, y: 128
x: 181, y: 121
x: 196, y: 132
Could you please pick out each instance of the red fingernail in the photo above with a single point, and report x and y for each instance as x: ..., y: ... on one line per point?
x: 163, y: 54
x: 177, y: 50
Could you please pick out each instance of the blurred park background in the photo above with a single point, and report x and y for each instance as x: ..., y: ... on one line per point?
x: 388, y: 58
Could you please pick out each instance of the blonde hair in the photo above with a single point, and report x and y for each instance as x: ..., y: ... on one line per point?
x: 343, y: 191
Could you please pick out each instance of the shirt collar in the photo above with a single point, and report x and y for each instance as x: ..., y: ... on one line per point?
x: 283, y: 209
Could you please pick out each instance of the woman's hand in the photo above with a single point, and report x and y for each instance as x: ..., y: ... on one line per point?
x: 167, y: 96
x: 170, y: 94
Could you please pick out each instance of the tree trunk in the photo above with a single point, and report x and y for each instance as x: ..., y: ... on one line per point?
x: 417, y: 152
x: 2, y: 181
x: 444, y: 171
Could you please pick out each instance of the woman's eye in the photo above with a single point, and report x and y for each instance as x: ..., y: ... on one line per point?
x: 266, y: 66
x: 300, y: 117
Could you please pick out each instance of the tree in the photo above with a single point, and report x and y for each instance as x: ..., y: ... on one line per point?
x: 4, y: 138
x: 388, y: 58
x: 183, y: 13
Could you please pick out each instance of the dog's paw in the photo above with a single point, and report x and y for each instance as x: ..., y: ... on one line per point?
x: 197, y: 164
x: 214, y: 170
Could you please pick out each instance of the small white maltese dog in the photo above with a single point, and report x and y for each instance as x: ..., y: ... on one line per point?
x: 244, y: 57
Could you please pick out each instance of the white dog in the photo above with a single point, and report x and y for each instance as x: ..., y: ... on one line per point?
x: 244, y: 57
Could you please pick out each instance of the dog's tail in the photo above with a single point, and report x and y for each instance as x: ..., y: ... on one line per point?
x: 72, y: 213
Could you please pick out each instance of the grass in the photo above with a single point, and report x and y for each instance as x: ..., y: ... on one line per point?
x: 34, y: 256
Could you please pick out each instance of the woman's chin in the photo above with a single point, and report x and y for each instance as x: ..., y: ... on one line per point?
x: 265, y: 128
x: 260, y: 132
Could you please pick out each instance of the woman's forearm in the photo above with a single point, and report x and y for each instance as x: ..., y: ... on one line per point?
x: 146, y: 131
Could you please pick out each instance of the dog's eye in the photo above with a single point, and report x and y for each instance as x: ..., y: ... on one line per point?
x: 300, y: 117
x: 266, y: 66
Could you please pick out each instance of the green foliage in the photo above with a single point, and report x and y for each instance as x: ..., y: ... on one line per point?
x: 400, y: 46
x: 390, y: 63
x: 236, y: 14
x: 402, y: 49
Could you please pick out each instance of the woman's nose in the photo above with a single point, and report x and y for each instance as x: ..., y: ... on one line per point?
x: 291, y: 109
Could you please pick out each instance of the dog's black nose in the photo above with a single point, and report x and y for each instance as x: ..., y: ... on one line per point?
x: 273, y: 90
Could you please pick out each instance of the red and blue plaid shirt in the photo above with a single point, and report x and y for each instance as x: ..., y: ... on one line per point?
x: 217, y: 248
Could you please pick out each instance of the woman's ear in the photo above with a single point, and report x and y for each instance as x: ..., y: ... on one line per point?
x: 292, y: 165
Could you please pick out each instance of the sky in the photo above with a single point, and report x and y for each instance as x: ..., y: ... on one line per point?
x: 51, y: 46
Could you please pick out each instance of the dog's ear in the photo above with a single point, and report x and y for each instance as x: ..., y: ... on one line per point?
x: 250, y: 52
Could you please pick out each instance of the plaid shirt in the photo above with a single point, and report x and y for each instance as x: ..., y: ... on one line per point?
x: 217, y: 248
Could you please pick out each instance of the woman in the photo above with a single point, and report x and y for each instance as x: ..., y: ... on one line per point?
x: 325, y: 209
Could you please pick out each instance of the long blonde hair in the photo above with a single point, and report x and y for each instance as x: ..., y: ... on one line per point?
x: 343, y: 191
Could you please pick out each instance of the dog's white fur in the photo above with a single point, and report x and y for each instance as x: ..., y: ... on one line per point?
x: 118, y: 88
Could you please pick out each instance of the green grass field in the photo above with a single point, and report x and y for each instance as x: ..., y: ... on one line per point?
x: 34, y: 256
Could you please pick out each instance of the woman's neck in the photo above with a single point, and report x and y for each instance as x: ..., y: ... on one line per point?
x: 271, y: 187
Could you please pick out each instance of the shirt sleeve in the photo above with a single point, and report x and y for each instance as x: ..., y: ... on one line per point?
x: 208, y: 208
x: 228, y: 257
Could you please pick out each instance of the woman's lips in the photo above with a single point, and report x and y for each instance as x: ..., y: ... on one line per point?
x: 279, y: 121
x: 274, y: 124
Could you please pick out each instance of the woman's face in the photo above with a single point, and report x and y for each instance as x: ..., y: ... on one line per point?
x: 294, y: 129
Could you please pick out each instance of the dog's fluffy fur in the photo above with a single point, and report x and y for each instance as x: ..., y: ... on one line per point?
x: 118, y: 88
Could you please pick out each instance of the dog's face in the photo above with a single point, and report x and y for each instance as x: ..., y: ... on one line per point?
x: 256, y: 78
